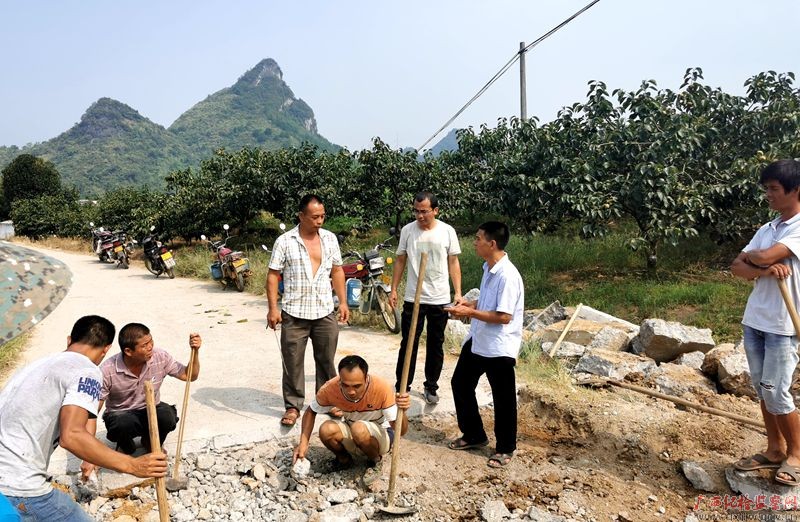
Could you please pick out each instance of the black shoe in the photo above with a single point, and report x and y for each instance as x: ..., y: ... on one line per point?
x: 126, y: 447
x: 430, y: 396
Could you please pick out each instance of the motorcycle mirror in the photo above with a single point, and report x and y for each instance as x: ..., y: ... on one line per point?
x: 282, y: 226
x: 91, y: 223
x: 152, y: 227
x: 225, y: 226
x: 203, y: 237
x: 101, y: 229
x: 392, y: 231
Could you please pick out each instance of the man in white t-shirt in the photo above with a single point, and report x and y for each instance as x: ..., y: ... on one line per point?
x: 491, y: 348
x: 439, y: 240
x: 770, y: 340
x: 47, y: 404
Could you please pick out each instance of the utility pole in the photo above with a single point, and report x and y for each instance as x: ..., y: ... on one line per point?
x: 523, y: 102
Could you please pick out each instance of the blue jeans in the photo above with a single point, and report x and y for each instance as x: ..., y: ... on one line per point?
x: 50, y: 507
x: 772, y: 359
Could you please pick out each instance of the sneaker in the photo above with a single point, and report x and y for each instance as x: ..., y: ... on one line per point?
x: 430, y: 396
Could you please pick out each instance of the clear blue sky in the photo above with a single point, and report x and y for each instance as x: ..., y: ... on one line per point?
x: 396, y: 70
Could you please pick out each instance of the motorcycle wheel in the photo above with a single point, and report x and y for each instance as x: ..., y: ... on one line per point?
x: 102, y: 258
x: 390, y: 317
x: 123, y: 260
x: 150, y: 268
x: 239, y: 282
x: 171, y: 273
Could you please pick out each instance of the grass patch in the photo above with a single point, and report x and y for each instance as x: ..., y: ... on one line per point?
x: 9, y: 353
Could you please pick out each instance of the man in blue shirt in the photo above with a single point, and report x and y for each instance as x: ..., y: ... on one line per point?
x: 492, y: 346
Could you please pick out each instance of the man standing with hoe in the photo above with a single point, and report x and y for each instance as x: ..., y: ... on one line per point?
x: 310, y: 259
x: 770, y: 339
x: 439, y: 241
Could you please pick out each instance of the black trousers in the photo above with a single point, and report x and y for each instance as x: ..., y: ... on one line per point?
x: 502, y: 379
x: 124, y: 426
x: 434, y: 353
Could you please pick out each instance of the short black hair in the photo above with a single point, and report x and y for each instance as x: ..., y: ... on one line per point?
x: 130, y: 334
x: 496, y: 231
x: 786, y: 172
x: 308, y: 198
x: 430, y: 196
x: 352, y: 362
x: 93, y: 330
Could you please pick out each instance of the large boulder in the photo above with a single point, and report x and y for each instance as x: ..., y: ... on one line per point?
x: 581, y: 331
x: 456, y: 330
x: 534, y: 320
x: 568, y: 351
x: 692, y: 360
x: 679, y: 380
x: 610, y: 338
x: 615, y: 365
x: 590, y: 314
x: 711, y: 360
x: 733, y: 374
x: 665, y: 340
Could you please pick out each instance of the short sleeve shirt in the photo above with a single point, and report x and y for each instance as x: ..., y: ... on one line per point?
x: 439, y: 242
x: 122, y: 390
x: 502, y: 290
x: 377, y: 405
x: 765, y: 308
x: 30, y: 405
x: 305, y: 295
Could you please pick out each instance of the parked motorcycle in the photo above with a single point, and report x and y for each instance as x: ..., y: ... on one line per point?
x: 102, y: 242
x: 367, y: 287
x: 229, y: 265
x: 157, y: 258
x: 121, y: 249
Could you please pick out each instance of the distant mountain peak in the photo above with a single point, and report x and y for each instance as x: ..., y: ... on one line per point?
x: 266, y: 68
x: 109, y: 117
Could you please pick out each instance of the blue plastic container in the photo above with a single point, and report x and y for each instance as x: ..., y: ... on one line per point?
x: 354, y: 287
x: 216, y: 271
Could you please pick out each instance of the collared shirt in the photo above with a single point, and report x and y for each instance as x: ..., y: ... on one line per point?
x: 765, y: 308
x: 122, y: 390
x: 305, y: 295
x: 501, y: 291
x: 377, y: 405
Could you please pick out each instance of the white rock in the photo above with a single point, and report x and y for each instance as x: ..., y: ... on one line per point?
x: 301, y: 468
x: 205, y: 462
x: 494, y: 511
x: 342, y: 496
x: 259, y: 472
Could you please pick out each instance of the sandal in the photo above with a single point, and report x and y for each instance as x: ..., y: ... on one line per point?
x: 290, y: 417
x: 499, y: 460
x: 792, y: 471
x: 461, y: 444
x: 372, y: 473
x: 757, y: 461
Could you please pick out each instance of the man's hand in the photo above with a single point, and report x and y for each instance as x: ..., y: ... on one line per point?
x: 150, y: 465
x: 274, y: 317
x: 779, y: 271
x: 195, y: 341
x: 344, y: 313
x: 458, y: 299
x: 300, y: 451
x: 86, y: 470
x: 403, y: 400
x: 459, y: 310
x: 393, y: 299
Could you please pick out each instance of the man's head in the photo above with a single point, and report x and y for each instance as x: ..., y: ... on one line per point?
x: 492, y: 237
x: 136, y: 342
x: 781, y: 176
x: 353, y: 377
x: 311, y: 212
x: 92, y: 330
x: 426, y: 208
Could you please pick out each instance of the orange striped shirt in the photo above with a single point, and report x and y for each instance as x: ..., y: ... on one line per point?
x: 377, y: 405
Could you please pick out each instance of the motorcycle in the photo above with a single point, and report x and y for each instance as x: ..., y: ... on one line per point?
x: 121, y: 249
x: 157, y: 258
x: 367, y: 287
x: 102, y: 242
x: 229, y: 265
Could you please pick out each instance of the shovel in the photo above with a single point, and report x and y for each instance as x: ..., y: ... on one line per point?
x: 155, y: 447
x: 175, y: 482
x: 787, y: 298
x: 390, y: 508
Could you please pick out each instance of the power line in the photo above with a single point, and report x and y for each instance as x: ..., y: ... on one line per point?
x: 506, y: 67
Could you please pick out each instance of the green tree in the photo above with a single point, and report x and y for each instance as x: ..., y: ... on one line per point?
x: 28, y: 176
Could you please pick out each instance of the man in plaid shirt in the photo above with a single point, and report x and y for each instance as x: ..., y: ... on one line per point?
x: 309, y: 259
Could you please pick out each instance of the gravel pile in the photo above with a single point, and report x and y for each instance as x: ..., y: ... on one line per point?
x: 254, y: 482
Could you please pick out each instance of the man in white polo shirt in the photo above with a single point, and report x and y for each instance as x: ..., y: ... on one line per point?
x: 492, y: 346
x: 770, y: 340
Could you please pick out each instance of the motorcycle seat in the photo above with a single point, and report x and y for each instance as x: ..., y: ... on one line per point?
x: 351, y: 271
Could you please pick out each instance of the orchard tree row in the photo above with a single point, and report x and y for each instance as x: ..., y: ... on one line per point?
x: 674, y: 163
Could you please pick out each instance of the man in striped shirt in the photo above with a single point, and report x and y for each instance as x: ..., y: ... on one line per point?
x: 122, y: 389
x: 367, y: 427
x: 309, y: 258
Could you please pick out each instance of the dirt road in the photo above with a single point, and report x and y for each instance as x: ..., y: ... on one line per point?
x: 237, y: 398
